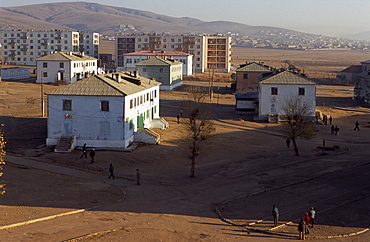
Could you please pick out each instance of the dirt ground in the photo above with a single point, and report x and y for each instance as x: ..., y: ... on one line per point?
x: 244, y: 171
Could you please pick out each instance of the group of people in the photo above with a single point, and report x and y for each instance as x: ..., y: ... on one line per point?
x: 306, y: 223
x: 111, y: 168
x: 334, y: 130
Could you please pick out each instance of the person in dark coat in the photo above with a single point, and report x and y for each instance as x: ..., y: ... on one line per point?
x: 138, y: 177
x: 357, y: 126
x: 332, y: 129
x: 111, y: 170
x: 92, y: 155
x: 287, y: 141
x: 336, y: 129
x: 178, y: 118
x: 330, y: 120
x: 301, y: 229
x: 84, y: 151
x: 275, y: 215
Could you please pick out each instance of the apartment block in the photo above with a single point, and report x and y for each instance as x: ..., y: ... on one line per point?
x: 23, y: 47
x: 211, y: 52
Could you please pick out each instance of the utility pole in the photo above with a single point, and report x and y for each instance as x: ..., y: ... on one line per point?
x: 42, y: 95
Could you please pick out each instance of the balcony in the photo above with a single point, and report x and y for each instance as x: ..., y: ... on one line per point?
x: 59, y: 37
x: 12, y: 43
x: 45, y: 44
x: 12, y: 55
x: 181, y: 49
x: 24, y: 37
x: 155, y: 42
x: 24, y: 49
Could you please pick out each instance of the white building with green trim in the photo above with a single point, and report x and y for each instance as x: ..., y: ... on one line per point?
x: 107, y: 110
x: 164, y: 70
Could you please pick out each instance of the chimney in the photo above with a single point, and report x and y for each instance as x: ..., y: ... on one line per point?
x: 116, y: 77
x: 82, y: 54
x: 136, y: 73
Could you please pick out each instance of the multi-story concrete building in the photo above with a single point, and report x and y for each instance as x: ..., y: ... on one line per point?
x: 210, y: 53
x: 23, y: 47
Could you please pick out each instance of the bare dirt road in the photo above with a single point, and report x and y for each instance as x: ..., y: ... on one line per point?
x: 245, y: 170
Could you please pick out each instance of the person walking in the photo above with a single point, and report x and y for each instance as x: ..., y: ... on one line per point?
x: 178, y: 118
x: 330, y: 120
x: 301, y: 229
x: 312, y: 214
x: 357, y: 126
x: 287, y: 141
x: 275, y: 215
x: 84, y: 151
x: 92, y: 156
x: 307, y: 220
x: 138, y: 177
x: 336, y: 129
x: 111, y: 170
x: 181, y: 112
x: 332, y: 129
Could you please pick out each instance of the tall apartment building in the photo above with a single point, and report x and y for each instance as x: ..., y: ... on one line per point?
x: 210, y: 53
x: 23, y: 47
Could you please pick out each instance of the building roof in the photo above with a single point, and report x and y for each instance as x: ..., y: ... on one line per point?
x: 353, y: 69
x: 256, y: 67
x: 157, y: 53
x: 365, y: 62
x: 66, y: 56
x: 287, y: 78
x: 107, y: 85
x: 158, y: 61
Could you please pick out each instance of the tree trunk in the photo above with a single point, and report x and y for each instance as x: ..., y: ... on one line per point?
x: 295, y: 146
x: 192, y: 170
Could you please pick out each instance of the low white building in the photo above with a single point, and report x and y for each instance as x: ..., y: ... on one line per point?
x: 15, y: 73
x: 107, y: 110
x: 65, y: 67
x: 276, y: 90
x: 131, y: 59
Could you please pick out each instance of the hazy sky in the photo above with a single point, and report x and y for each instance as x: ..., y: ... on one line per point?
x: 328, y: 17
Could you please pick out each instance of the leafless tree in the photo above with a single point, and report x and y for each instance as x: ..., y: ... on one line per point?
x: 199, y: 126
x: 2, y: 162
x: 298, y: 123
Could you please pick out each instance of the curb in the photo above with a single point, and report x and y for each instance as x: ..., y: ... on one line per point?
x: 11, y: 226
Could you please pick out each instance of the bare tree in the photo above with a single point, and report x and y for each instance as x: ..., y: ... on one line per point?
x: 2, y: 154
x: 299, y: 122
x: 199, y: 126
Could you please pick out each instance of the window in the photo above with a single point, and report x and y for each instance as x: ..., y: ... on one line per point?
x: 61, y: 65
x: 131, y: 104
x: 274, y: 91
x: 104, y: 106
x: 144, y: 69
x: 67, y: 105
x: 161, y: 70
x: 45, y: 74
x: 245, y: 76
x: 131, y: 124
x: 301, y: 91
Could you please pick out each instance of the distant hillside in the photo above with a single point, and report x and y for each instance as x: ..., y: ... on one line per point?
x: 84, y: 16
x: 360, y: 36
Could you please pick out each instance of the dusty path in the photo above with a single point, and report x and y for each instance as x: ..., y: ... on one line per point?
x: 246, y: 170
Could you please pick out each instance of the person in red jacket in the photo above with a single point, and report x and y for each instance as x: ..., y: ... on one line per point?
x: 307, y: 220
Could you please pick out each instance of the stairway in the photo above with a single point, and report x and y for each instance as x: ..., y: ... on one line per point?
x: 65, y: 144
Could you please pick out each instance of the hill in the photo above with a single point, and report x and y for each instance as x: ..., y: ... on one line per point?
x: 85, y: 16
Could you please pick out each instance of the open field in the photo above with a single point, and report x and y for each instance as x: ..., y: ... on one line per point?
x: 245, y: 170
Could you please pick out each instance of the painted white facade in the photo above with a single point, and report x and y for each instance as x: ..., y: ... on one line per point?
x: 23, y: 47
x: 65, y: 68
x: 273, y: 101
x: 89, y: 124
